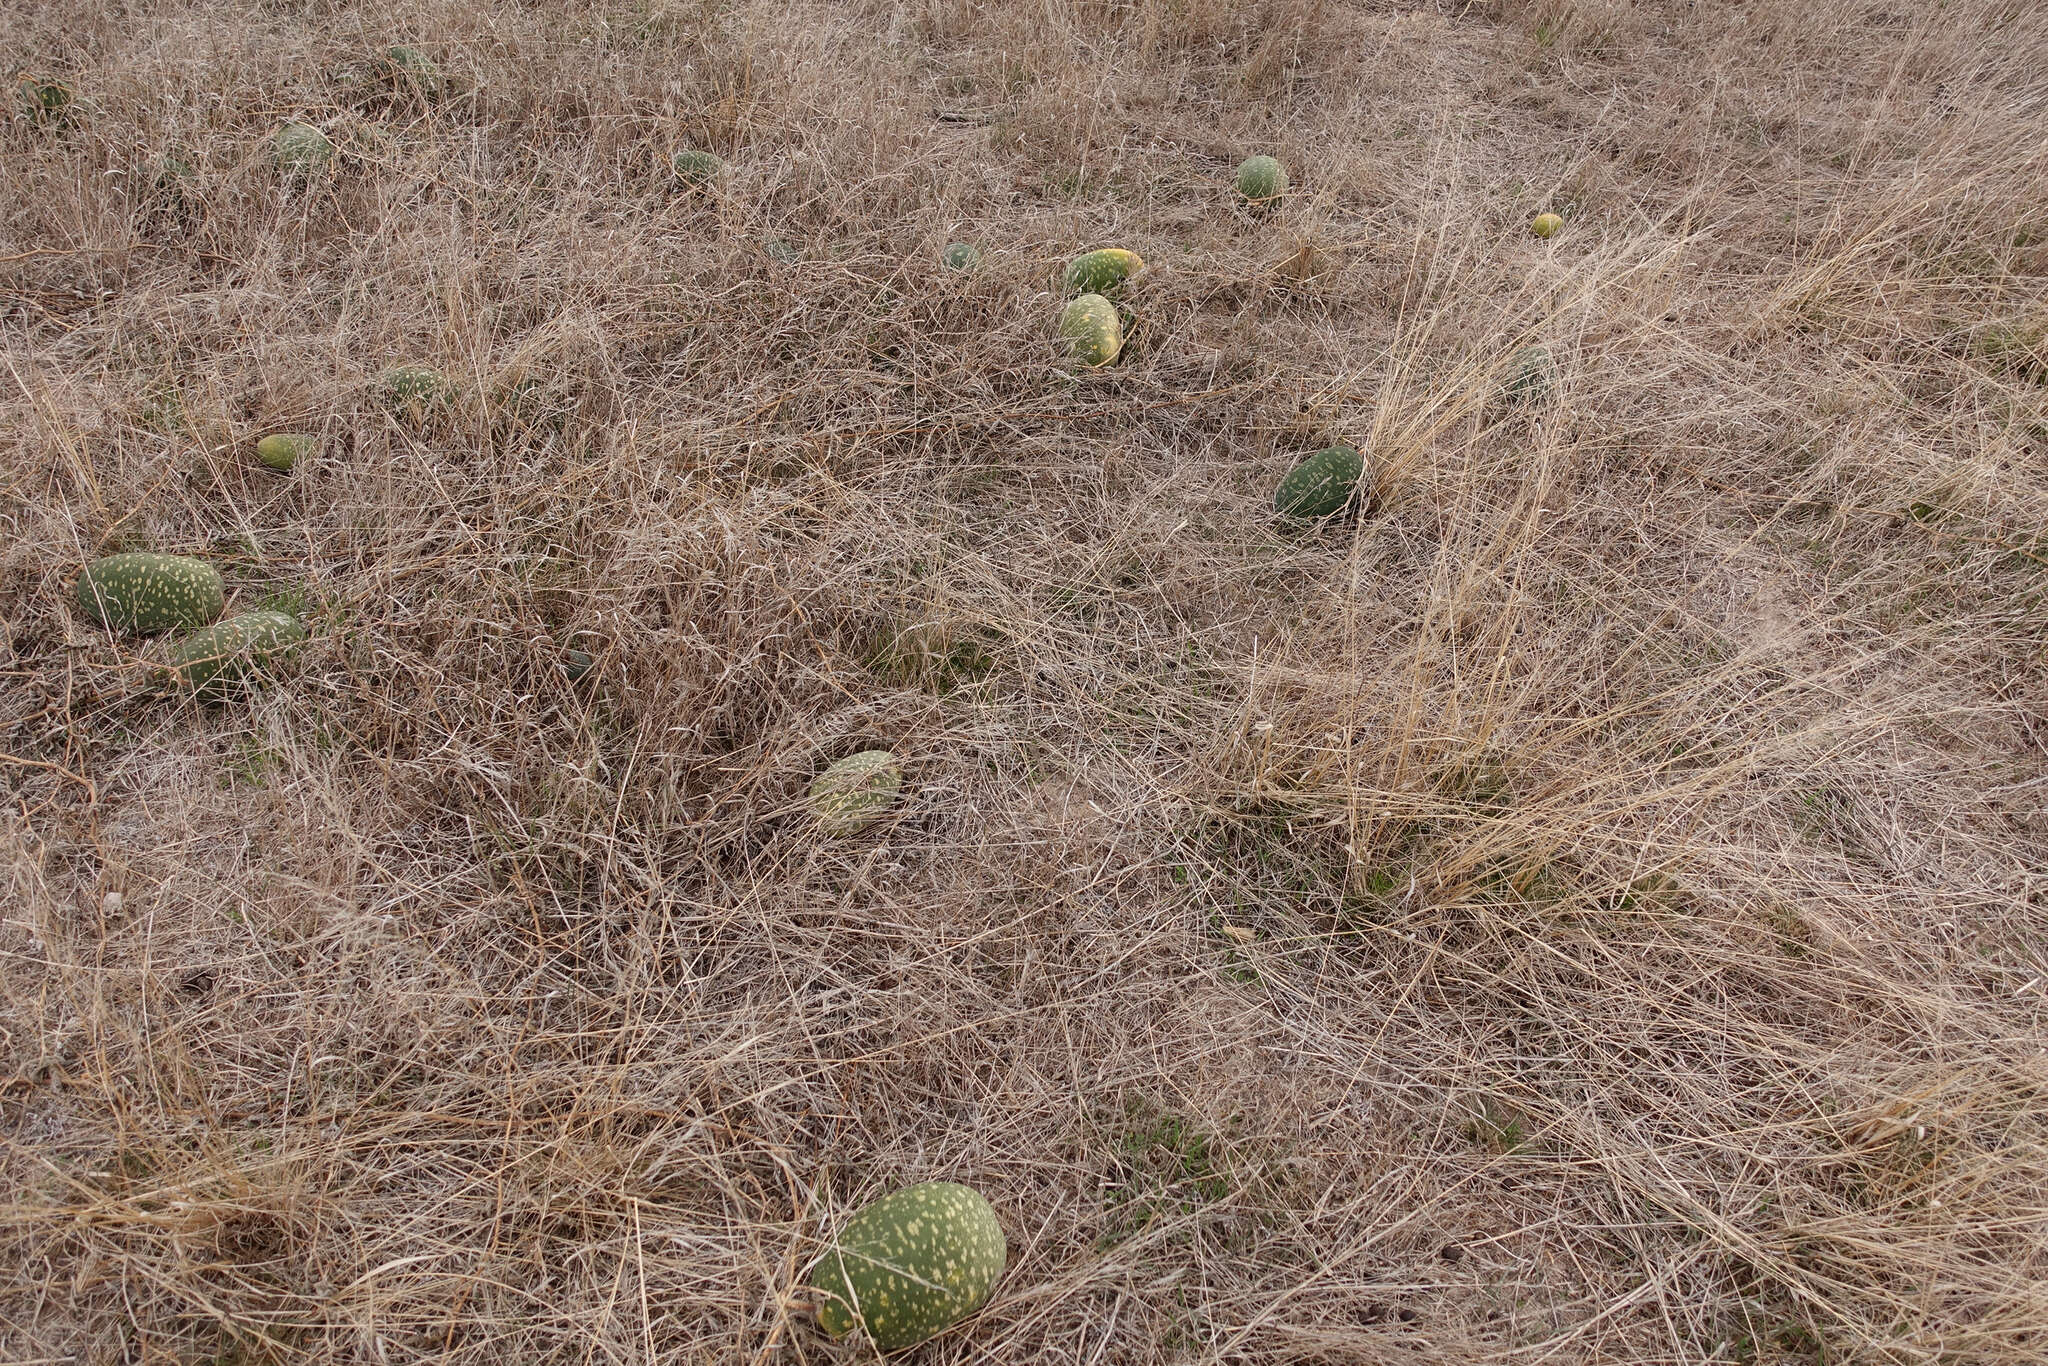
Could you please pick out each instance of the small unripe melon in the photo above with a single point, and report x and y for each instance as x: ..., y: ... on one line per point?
x: 1100, y: 272
x: 1093, y: 330
x: 910, y: 1265
x: 144, y: 592
x: 1531, y: 375
x: 43, y: 101
x: 781, y: 252
x: 852, y: 794
x: 211, y: 661
x: 282, y: 450
x: 697, y: 169
x: 1321, y: 485
x: 1261, y: 179
x: 1546, y: 225
x: 409, y: 67
x: 578, y: 664
x: 416, y: 390
x: 302, y: 149
x: 961, y: 256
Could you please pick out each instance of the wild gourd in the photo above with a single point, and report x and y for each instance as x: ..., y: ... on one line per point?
x: 1092, y: 329
x: 302, y: 149
x: 853, y: 794
x: 1262, y: 180
x: 281, y: 450
x: 1322, y: 485
x: 910, y: 1265
x: 210, y: 662
x: 1100, y: 272
x: 145, y: 592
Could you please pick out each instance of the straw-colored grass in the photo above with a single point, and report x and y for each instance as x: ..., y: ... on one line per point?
x: 1591, y: 908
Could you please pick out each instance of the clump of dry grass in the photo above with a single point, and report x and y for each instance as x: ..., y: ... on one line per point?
x: 1589, y: 909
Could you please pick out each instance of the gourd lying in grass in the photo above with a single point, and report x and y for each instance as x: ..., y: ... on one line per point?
x: 1531, y: 375
x: 212, y: 661
x: 282, y: 450
x: 962, y: 256
x: 144, y: 592
x: 910, y: 1265
x: 406, y: 68
x: 852, y: 794
x: 1546, y: 225
x: 1093, y: 330
x: 1100, y: 272
x: 1261, y: 180
x: 1322, y: 485
x: 697, y: 169
x: 43, y: 102
x: 302, y: 149
x: 415, y: 391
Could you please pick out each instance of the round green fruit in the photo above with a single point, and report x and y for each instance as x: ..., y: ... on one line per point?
x: 962, y: 256
x: 578, y: 664
x: 1321, y: 485
x: 43, y: 101
x: 1100, y: 272
x: 697, y: 169
x: 413, y: 391
x: 910, y: 1265
x: 302, y: 149
x: 852, y: 794
x: 1531, y: 376
x: 282, y: 450
x: 1261, y: 180
x: 409, y: 68
x: 1093, y: 330
x: 210, y: 662
x: 1546, y: 225
x: 145, y: 592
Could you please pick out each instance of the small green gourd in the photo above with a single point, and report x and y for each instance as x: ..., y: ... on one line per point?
x: 282, y: 450
x: 961, y: 256
x: 1261, y: 180
x: 302, y: 149
x: 910, y: 1265
x: 144, y: 592
x: 1321, y: 485
x: 1100, y: 272
x: 210, y: 662
x: 697, y: 169
x: 1093, y: 330
x: 852, y: 794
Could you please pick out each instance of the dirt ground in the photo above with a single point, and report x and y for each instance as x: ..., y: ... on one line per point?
x: 1592, y: 906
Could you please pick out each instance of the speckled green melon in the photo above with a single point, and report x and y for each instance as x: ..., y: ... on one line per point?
x: 910, y: 1265
x: 302, y: 149
x: 1531, y: 375
x: 144, y: 592
x: 210, y: 661
x: 409, y: 68
x: 1261, y: 179
x: 1100, y: 272
x: 282, y: 450
x: 961, y: 256
x: 1092, y: 329
x: 853, y: 793
x: 781, y: 252
x: 1546, y: 224
x: 578, y: 664
x: 1320, y: 485
x: 697, y: 168
x: 43, y: 101
x: 415, y: 390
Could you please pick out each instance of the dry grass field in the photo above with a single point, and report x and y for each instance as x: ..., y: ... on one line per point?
x: 1590, y: 907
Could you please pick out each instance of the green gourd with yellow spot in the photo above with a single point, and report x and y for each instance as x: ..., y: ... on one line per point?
x: 910, y: 1265
x: 852, y: 794
x: 1321, y: 485
x: 302, y: 149
x: 144, y: 592
x: 1100, y: 272
x: 1093, y: 330
x: 210, y: 661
